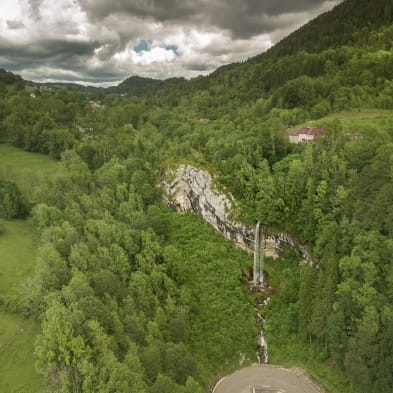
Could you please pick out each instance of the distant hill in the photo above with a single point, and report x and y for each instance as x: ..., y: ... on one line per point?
x: 339, y: 49
x: 8, y: 78
x: 225, y: 67
x: 135, y: 86
x: 335, y: 28
x: 329, y: 44
x: 69, y: 84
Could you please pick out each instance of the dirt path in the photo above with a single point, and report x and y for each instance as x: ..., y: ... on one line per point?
x: 266, y: 378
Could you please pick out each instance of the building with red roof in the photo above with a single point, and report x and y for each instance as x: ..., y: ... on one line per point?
x: 304, y: 134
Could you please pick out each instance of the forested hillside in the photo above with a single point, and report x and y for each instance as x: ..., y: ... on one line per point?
x: 133, y: 296
x: 340, y: 60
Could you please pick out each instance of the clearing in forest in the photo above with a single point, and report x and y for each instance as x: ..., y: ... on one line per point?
x: 17, y: 335
x: 18, y: 241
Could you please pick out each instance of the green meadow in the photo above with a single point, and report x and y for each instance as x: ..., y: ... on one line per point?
x: 361, y: 120
x: 21, y: 162
x: 18, y: 243
x: 28, y: 170
x: 17, y: 335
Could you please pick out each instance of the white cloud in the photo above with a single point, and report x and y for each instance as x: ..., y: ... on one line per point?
x: 144, y: 58
x: 10, y: 10
x: 60, y: 19
x: 44, y: 38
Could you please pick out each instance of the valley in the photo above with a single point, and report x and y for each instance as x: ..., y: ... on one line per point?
x: 127, y: 214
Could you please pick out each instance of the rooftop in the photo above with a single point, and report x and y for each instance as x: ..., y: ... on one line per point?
x: 306, y: 131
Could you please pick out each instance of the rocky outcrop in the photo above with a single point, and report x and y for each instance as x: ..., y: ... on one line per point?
x: 194, y: 190
x: 191, y: 189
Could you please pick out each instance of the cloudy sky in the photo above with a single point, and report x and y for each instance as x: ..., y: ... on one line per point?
x: 102, y: 42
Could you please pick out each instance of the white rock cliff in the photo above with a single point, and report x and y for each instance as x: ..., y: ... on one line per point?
x: 191, y: 189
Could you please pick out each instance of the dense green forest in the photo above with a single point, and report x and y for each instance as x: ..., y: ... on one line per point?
x: 133, y: 296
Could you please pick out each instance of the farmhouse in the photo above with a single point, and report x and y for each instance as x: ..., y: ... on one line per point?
x: 304, y: 134
x: 95, y: 104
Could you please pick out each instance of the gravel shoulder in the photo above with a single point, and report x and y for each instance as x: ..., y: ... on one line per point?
x: 266, y: 378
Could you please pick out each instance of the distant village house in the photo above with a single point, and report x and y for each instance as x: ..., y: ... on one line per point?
x: 95, y: 104
x: 304, y: 134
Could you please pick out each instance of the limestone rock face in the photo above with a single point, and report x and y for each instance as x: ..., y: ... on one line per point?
x: 191, y: 189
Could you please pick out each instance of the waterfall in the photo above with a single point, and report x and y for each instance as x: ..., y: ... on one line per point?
x: 259, y: 254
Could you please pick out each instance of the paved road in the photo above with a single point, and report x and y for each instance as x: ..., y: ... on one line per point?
x: 266, y: 378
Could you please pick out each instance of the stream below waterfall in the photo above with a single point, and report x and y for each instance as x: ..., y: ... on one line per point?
x: 262, y: 351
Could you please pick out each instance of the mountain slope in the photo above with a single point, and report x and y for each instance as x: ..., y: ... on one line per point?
x: 331, y: 51
x: 337, y: 27
x: 135, y: 86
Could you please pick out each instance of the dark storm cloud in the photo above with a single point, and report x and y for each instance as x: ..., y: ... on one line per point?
x: 57, y: 60
x: 35, y: 8
x: 253, y: 17
x: 48, y: 50
x: 49, y: 54
x: 161, y: 10
x: 243, y: 18
x: 15, y: 24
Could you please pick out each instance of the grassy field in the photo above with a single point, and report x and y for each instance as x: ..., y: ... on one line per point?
x: 356, y: 119
x: 18, y: 247
x: 361, y: 114
x: 18, y: 240
x: 28, y: 170
x: 17, y: 371
x: 17, y: 335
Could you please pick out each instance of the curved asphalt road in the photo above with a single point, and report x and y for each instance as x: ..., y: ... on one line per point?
x: 266, y: 378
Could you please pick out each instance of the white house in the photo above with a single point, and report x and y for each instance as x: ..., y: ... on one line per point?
x: 304, y: 134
